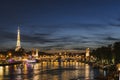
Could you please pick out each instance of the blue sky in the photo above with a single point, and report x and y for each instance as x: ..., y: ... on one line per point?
x: 59, y: 24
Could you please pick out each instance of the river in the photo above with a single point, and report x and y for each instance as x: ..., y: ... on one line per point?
x: 50, y: 71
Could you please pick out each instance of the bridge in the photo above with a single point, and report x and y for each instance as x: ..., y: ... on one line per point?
x: 60, y: 58
x: 65, y: 57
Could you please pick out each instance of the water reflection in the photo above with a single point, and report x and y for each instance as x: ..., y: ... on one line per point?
x: 87, y: 71
x: 48, y: 71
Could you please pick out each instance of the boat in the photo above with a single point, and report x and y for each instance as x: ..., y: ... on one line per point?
x: 31, y: 61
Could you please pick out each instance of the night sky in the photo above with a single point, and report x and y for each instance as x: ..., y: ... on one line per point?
x: 59, y: 24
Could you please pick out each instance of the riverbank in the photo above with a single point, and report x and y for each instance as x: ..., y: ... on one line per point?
x: 112, y: 72
x: 13, y: 63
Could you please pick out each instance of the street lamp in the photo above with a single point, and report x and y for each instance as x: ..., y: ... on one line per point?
x: 118, y: 68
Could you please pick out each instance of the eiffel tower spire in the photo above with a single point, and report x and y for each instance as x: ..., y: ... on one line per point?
x: 18, y: 46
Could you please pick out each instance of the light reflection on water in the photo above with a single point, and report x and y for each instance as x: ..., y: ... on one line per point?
x: 48, y: 71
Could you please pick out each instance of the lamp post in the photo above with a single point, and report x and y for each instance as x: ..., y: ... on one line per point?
x: 118, y: 68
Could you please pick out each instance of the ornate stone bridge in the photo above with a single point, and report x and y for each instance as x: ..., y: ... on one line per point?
x: 65, y: 55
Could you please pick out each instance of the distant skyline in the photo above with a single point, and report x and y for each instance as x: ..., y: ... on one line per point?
x: 58, y: 24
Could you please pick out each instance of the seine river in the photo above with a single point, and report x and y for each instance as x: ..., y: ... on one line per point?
x: 50, y: 71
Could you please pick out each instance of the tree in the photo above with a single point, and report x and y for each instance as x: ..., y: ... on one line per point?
x: 116, y: 50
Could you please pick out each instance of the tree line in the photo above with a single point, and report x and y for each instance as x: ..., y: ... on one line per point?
x: 109, y: 54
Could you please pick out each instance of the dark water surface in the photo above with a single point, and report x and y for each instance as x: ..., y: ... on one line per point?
x: 50, y: 71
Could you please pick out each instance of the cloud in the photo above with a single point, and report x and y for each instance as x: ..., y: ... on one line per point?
x: 57, y: 27
x: 90, y: 26
x: 82, y: 26
x: 7, y: 36
x: 106, y: 36
x: 42, y: 38
x: 35, y: 39
x: 109, y: 38
x: 42, y: 34
x: 53, y: 40
x: 115, y: 24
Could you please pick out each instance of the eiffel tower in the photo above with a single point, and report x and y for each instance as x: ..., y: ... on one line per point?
x: 18, y: 46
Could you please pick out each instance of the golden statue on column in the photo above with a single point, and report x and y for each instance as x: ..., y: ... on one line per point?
x: 87, y: 54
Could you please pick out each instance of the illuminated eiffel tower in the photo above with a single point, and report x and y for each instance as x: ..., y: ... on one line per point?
x: 18, y: 46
